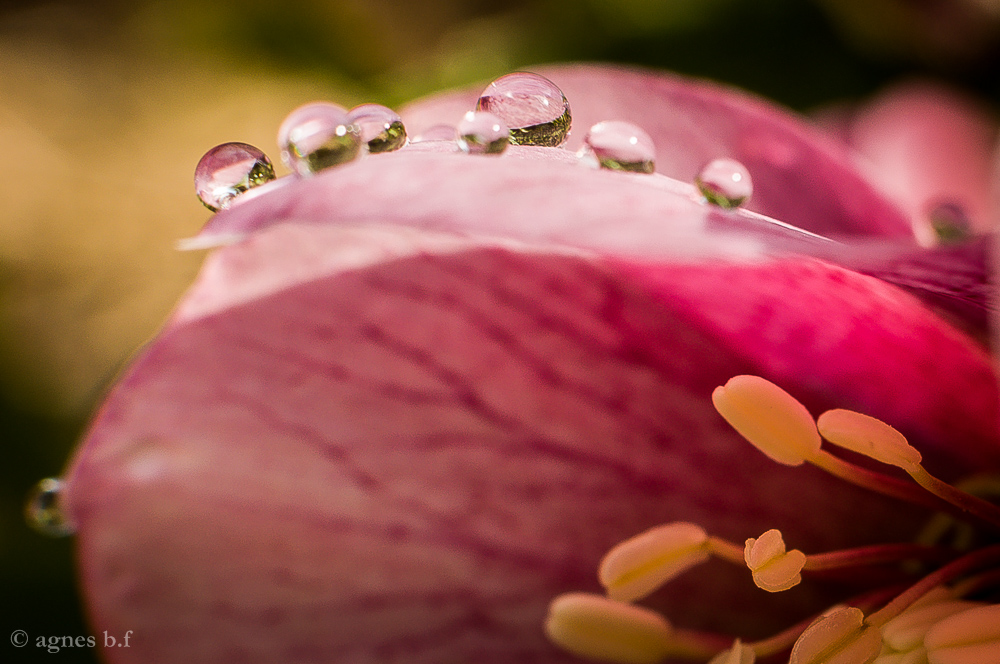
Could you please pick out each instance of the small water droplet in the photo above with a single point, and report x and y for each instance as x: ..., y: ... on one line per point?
x: 950, y: 222
x: 619, y: 146
x: 725, y: 182
x: 532, y: 106
x: 228, y: 170
x: 318, y: 136
x: 43, y: 510
x: 482, y: 133
x: 381, y: 127
x: 438, y: 132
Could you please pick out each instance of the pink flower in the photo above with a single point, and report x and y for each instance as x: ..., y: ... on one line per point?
x: 428, y: 391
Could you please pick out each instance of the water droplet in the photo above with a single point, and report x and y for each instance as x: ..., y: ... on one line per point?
x: 532, y: 106
x: 43, y: 511
x: 725, y: 182
x: 619, y: 146
x: 381, y: 127
x: 950, y: 222
x: 318, y: 136
x: 228, y: 170
x: 438, y: 132
x: 482, y: 133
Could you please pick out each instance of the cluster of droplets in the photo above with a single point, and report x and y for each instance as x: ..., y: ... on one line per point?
x: 313, y: 138
x: 521, y: 108
x: 947, y: 615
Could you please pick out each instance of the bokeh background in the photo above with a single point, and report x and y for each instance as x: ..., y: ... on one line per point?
x: 107, y: 105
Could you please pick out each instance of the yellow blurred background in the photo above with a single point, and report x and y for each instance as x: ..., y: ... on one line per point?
x: 106, y: 107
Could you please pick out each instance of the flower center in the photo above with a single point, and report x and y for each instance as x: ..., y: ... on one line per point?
x: 940, y: 618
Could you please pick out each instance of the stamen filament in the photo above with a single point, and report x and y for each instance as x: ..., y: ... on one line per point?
x: 873, y: 555
x: 966, y: 502
x: 878, y: 482
x: 726, y: 550
x: 939, y: 577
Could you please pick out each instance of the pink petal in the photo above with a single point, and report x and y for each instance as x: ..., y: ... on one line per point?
x: 390, y: 445
x: 800, y: 176
x: 927, y: 145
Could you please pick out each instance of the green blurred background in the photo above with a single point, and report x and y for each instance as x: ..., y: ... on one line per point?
x: 106, y: 106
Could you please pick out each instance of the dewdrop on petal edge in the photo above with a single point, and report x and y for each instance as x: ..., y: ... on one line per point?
x: 596, y: 627
x: 769, y: 418
x: 641, y: 564
x: 970, y: 637
x: 774, y: 569
x: 868, y: 436
x: 839, y: 637
x: 738, y: 654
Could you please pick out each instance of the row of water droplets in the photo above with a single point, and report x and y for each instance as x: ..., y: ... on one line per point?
x: 520, y: 108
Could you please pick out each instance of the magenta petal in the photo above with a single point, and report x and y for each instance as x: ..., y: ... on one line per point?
x: 392, y: 445
x: 800, y: 176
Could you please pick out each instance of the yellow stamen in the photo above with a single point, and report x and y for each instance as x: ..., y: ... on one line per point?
x: 906, y: 631
x: 774, y: 569
x: 969, y: 637
x: 600, y: 628
x: 738, y: 654
x: 868, y: 436
x: 770, y: 418
x: 839, y: 637
x: 643, y: 563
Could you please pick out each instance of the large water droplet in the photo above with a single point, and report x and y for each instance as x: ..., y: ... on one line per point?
x: 725, y: 182
x: 228, y: 170
x: 381, y: 127
x: 44, y: 512
x: 619, y: 146
x: 532, y: 106
x: 950, y: 222
x: 318, y: 136
x: 480, y: 132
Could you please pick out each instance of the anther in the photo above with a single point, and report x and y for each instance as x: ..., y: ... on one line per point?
x: 770, y: 418
x: 868, y: 436
x: 641, y: 564
x: 969, y: 637
x: 839, y: 637
x: 774, y: 569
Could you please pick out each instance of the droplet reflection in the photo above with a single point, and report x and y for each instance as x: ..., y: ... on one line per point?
x: 725, y: 182
x: 619, y: 146
x: 482, y: 133
x: 228, y: 170
x: 318, y: 136
x: 532, y: 106
x: 43, y: 510
x: 381, y: 127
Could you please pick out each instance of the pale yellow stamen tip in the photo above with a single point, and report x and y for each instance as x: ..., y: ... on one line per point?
x: 738, y: 654
x: 970, y: 637
x: 774, y: 569
x: 599, y: 628
x: 770, y: 418
x: 868, y: 436
x: 643, y: 563
x: 839, y: 637
x: 906, y: 631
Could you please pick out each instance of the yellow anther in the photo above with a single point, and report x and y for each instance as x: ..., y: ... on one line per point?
x: 770, y: 418
x: 969, y: 637
x: 868, y: 436
x: 774, y: 569
x: 839, y: 637
x: 596, y: 627
x: 906, y: 631
x: 643, y: 563
x: 738, y: 654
